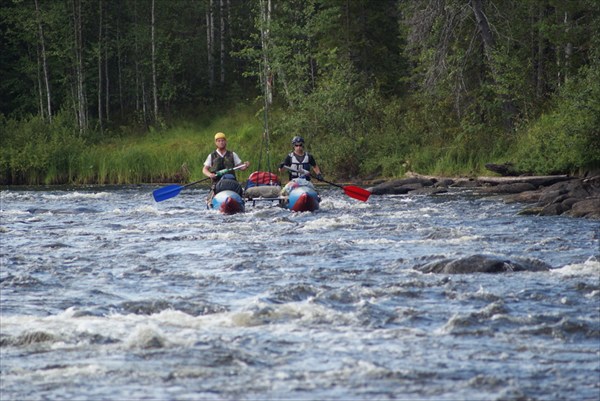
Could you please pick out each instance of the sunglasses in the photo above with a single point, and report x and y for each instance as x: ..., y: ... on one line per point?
x: 299, y: 144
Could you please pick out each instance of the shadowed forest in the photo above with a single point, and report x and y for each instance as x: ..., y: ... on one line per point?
x: 133, y: 91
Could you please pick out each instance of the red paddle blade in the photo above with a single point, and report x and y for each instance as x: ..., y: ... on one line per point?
x: 357, y: 193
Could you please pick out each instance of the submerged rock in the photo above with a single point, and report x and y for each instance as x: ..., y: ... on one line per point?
x: 482, y: 264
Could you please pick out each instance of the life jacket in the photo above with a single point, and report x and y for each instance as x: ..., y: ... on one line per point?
x: 222, y: 162
x: 297, y: 164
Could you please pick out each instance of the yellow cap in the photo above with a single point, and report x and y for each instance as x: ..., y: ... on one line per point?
x: 220, y: 135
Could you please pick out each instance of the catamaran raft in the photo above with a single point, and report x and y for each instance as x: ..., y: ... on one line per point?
x: 229, y: 197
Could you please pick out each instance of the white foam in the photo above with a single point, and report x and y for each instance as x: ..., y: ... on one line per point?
x: 13, y: 212
x: 330, y: 222
x: 589, y: 267
x: 76, y: 195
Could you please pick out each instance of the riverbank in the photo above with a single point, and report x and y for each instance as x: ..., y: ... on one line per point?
x: 543, y: 195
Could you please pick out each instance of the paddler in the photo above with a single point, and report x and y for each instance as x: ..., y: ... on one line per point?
x: 300, y: 162
x: 221, y: 158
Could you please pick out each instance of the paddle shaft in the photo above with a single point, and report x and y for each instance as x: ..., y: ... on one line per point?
x: 171, y: 191
x: 195, y: 182
x: 350, y: 190
x: 219, y: 173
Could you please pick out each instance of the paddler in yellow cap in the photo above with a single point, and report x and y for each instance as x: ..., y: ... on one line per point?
x: 222, y: 159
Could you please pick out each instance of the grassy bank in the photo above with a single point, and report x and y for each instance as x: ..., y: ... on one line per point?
x: 41, y: 153
x: 34, y: 152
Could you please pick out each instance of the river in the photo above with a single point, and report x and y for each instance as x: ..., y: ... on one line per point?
x: 107, y: 295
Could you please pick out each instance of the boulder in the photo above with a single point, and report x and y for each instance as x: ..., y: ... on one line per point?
x: 482, y: 264
x: 512, y: 188
x: 552, y: 195
x: 402, y: 186
x: 568, y: 203
x: 553, y: 209
x: 576, y: 198
x: 524, y: 197
x: 589, y: 208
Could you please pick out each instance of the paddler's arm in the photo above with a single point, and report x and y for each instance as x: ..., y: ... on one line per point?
x: 206, y: 171
x: 243, y: 166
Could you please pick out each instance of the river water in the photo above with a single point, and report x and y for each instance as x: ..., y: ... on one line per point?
x: 107, y: 295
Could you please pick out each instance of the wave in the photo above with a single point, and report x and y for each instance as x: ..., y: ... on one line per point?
x: 591, y: 267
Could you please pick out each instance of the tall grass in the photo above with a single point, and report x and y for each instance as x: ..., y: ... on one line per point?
x: 174, y: 154
x: 36, y: 152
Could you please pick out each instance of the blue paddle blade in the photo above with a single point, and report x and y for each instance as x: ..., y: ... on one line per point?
x: 167, y: 192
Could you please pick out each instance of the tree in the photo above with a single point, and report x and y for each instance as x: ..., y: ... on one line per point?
x: 99, y: 51
x: 79, y: 79
x: 44, y: 62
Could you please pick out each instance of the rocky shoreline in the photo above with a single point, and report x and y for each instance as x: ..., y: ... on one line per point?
x: 544, y: 195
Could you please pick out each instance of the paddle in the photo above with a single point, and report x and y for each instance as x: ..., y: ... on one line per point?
x: 171, y: 191
x: 350, y: 190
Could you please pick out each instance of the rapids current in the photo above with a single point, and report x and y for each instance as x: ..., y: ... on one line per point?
x: 106, y: 294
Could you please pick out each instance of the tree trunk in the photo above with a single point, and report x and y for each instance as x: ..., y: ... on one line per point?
x: 210, y: 44
x: 222, y: 55
x: 136, y: 53
x: 100, y: 66
x: 120, y: 70
x: 229, y: 24
x: 82, y: 119
x: 154, y: 85
x: 40, y: 85
x: 484, y: 28
x: 44, y: 61
x: 489, y: 44
x: 568, y: 48
x: 140, y: 85
x: 266, y: 76
x: 265, y: 33
x: 540, y: 83
x: 144, y: 104
x: 106, y: 83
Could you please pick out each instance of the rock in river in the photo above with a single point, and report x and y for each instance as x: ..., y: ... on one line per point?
x: 482, y: 264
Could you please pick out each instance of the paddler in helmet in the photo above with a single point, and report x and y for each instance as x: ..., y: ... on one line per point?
x: 300, y: 162
x: 221, y: 159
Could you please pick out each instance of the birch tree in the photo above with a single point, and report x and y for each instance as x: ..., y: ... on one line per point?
x: 210, y: 40
x: 80, y: 96
x: 222, y: 16
x: 99, y: 55
x: 44, y: 61
x: 154, y: 85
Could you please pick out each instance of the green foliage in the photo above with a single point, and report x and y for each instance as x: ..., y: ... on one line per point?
x: 338, y: 137
x: 567, y: 138
x: 36, y: 152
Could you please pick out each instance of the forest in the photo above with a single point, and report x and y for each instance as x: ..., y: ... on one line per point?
x: 132, y: 91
